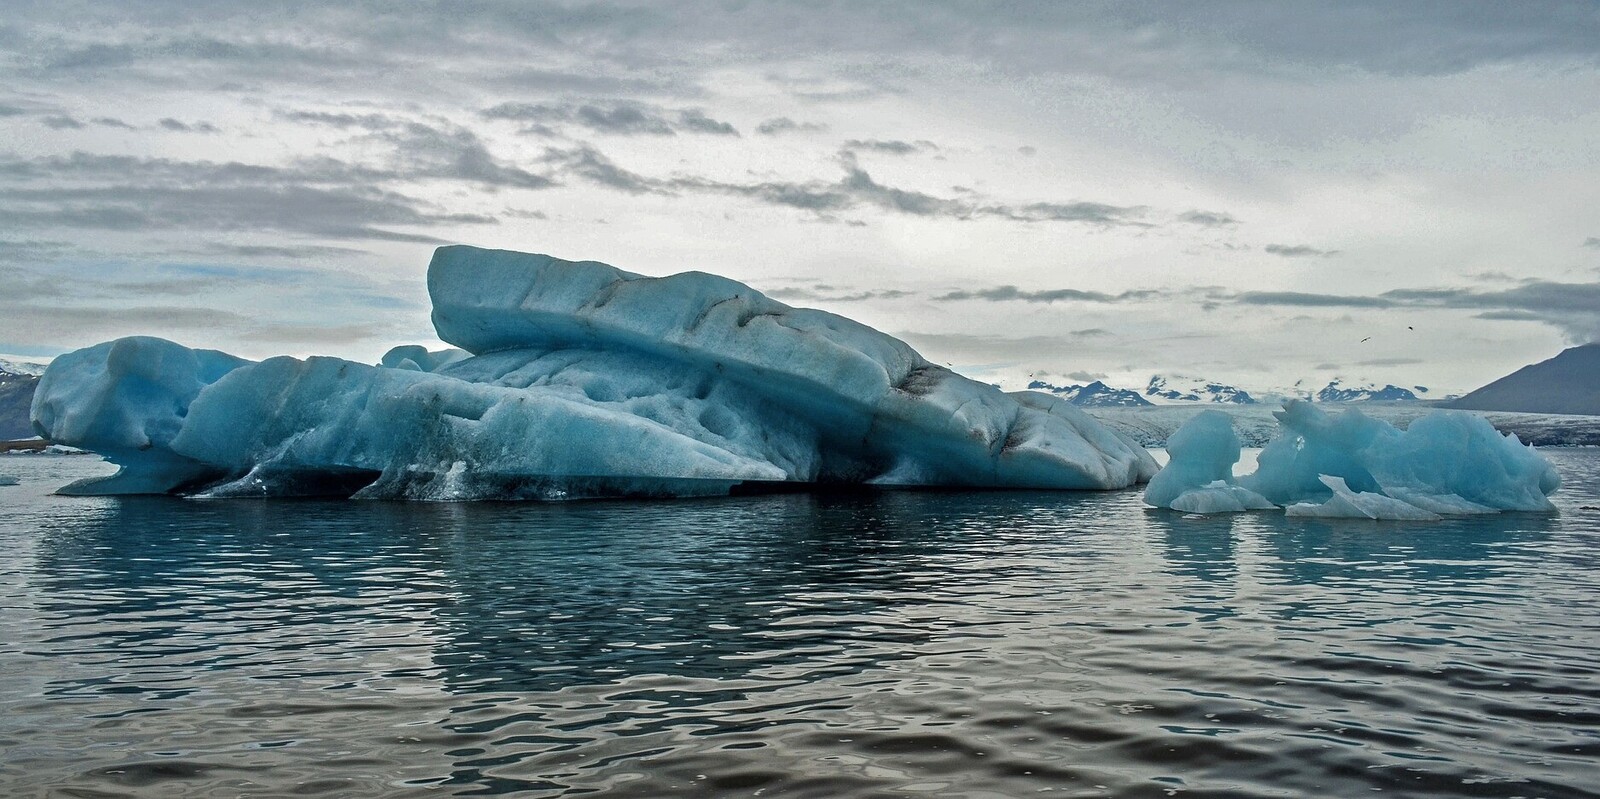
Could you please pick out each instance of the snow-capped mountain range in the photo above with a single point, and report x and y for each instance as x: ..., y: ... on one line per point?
x: 17, y: 381
x: 1336, y: 391
x: 12, y: 367
x: 1184, y: 390
x: 1164, y: 389
x: 1093, y: 395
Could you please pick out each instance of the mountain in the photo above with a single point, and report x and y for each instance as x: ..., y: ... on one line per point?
x: 1337, y: 392
x: 16, y: 397
x: 1567, y: 383
x: 1094, y: 395
x: 21, y: 368
x: 1176, y: 388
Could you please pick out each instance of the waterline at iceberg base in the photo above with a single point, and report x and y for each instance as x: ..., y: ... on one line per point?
x: 573, y: 379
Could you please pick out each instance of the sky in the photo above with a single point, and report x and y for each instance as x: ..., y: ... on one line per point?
x: 1257, y: 193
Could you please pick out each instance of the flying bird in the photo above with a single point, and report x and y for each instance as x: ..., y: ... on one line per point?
x: 1365, y: 339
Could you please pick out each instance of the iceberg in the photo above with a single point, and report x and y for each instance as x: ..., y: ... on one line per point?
x: 129, y: 397
x: 1199, y: 477
x: 1354, y: 466
x: 571, y: 379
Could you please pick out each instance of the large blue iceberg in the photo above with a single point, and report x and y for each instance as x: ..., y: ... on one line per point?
x: 1353, y: 466
x: 573, y: 379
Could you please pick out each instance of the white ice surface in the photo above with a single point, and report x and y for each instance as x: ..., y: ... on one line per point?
x: 1220, y: 497
x: 1347, y: 504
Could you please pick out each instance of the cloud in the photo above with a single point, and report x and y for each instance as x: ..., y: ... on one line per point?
x: 1592, y: 242
x: 343, y: 120
x: 533, y: 80
x: 435, y: 149
x: 1087, y: 212
x: 1496, y: 277
x: 625, y: 119
x: 828, y: 293
x: 617, y: 118
x: 890, y: 147
x: 169, y: 123
x: 24, y: 287
x: 322, y: 198
x: 1209, y: 219
x: 154, y: 53
x: 625, y: 49
x: 1012, y: 293
x: 1511, y: 316
x: 777, y: 125
x: 31, y: 251
x: 1390, y: 362
x: 1299, y: 251
x: 454, y: 153
x: 1573, y: 308
x: 856, y: 189
x: 275, y: 251
x: 61, y: 122
x: 83, y: 301
x: 326, y: 335
x: 59, y: 325
x: 1305, y: 300
x: 696, y: 120
x: 590, y: 164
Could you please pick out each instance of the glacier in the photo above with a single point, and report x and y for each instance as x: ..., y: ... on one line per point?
x: 570, y: 379
x: 1353, y: 466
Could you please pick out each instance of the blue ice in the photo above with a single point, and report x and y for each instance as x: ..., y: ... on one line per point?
x: 571, y: 379
x: 1351, y: 465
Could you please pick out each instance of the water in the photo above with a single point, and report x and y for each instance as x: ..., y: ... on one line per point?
x: 983, y: 644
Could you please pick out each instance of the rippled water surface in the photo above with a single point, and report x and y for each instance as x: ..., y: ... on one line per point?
x: 989, y: 644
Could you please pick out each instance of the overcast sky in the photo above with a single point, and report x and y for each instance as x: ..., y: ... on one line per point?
x: 1256, y: 193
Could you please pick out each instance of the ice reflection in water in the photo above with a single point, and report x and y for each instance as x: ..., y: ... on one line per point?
x: 944, y: 643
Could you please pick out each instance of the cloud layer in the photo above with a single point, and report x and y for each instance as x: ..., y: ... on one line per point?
x: 1228, y: 184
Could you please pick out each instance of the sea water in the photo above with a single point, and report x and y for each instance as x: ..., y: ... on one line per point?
x: 992, y: 644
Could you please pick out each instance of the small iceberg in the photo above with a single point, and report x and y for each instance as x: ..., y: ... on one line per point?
x: 1352, y: 466
x: 1199, y: 477
x: 570, y: 379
